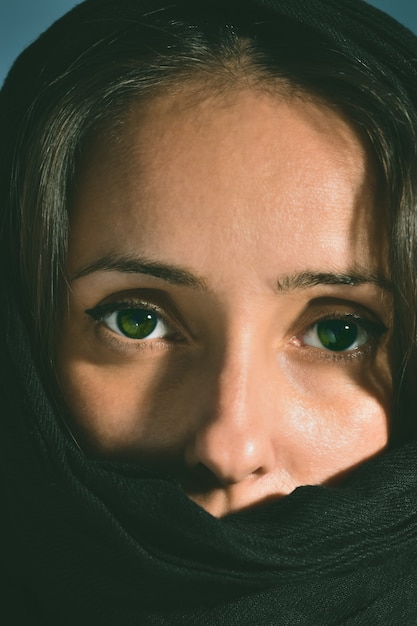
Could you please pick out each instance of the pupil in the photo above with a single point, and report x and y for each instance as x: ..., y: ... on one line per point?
x: 136, y: 323
x: 337, y: 335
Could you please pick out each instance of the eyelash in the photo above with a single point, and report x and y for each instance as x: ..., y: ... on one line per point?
x: 374, y: 329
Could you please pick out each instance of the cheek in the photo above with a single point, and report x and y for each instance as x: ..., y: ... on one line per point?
x: 334, y: 422
x: 107, y: 405
x: 126, y: 409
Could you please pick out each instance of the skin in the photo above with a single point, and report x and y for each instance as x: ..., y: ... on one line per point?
x: 249, y: 195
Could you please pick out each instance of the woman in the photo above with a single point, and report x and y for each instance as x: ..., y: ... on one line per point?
x: 208, y: 216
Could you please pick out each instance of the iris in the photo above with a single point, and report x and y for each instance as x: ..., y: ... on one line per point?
x: 136, y: 323
x: 337, y: 335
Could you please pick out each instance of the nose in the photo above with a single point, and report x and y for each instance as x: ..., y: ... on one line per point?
x: 232, y: 438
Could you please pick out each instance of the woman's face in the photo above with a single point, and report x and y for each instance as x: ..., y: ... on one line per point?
x: 228, y: 311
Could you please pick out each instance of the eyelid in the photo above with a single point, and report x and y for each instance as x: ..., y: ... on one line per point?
x: 325, y: 308
x: 99, y: 312
x: 373, y: 325
x: 156, y: 300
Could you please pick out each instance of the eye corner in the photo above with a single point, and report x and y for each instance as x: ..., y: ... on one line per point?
x: 95, y: 313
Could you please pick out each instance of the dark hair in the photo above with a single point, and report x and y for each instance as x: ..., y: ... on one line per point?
x: 95, y: 62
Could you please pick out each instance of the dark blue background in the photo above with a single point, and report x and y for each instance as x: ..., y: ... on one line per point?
x: 22, y: 20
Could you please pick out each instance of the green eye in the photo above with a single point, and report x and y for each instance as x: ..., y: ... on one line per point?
x: 336, y: 335
x: 133, y: 320
x: 136, y: 323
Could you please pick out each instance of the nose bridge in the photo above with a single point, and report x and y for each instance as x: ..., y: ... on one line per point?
x: 232, y: 436
x: 236, y: 386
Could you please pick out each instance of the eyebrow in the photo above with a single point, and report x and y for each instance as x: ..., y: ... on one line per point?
x: 353, y: 278
x: 172, y: 274
x: 183, y: 277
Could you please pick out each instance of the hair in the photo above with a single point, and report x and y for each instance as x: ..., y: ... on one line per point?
x: 90, y: 68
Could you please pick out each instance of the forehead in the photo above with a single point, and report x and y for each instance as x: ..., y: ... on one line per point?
x: 259, y: 167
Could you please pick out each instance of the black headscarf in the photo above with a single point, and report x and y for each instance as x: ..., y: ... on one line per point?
x: 92, y: 542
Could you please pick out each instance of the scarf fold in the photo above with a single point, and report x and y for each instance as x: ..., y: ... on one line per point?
x: 89, y: 542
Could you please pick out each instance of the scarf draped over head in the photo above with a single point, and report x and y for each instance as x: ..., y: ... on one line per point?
x: 92, y: 542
